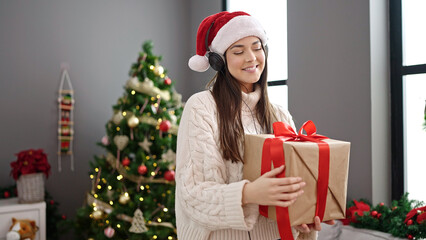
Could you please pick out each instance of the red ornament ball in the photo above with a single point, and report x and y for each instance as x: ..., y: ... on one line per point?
x: 379, y: 215
x: 167, y: 81
x: 169, y: 175
x: 410, y: 236
x: 374, y: 213
x: 125, y: 162
x: 382, y: 204
x: 394, y: 208
x: 165, y: 125
x: 409, y: 222
x: 6, y: 194
x: 142, y: 169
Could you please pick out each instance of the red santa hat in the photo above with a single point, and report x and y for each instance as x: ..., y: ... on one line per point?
x: 224, y: 28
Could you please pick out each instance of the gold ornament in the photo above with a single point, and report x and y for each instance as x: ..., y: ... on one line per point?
x: 117, y: 117
x: 124, y: 198
x: 158, y: 70
x: 121, y: 141
x: 97, y: 214
x: 133, y: 121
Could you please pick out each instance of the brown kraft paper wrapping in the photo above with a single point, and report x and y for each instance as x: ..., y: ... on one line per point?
x: 301, y: 160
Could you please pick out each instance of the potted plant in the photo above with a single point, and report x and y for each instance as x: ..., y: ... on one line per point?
x: 28, y: 171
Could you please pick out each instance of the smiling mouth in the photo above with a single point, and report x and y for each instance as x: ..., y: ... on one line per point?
x: 252, y: 68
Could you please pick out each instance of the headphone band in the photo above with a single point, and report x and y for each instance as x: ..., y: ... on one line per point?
x: 207, y: 36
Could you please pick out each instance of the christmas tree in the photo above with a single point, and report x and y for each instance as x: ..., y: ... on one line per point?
x: 133, y: 184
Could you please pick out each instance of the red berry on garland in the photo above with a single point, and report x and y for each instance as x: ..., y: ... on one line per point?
x: 167, y: 81
x: 374, y: 213
x: 169, y: 175
x: 381, y: 204
x: 165, y: 125
x: 409, y: 222
x: 6, y: 194
x: 142, y: 169
x: 394, y: 208
x: 379, y: 215
x: 64, y: 217
x: 410, y: 236
x: 125, y: 161
x: 52, y: 202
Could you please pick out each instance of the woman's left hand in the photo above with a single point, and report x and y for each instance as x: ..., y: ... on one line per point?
x: 306, y: 228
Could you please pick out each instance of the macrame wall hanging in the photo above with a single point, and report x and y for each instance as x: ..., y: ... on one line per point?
x: 66, y: 120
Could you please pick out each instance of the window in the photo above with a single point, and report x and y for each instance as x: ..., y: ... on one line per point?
x: 273, y: 17
x: 408, y: 97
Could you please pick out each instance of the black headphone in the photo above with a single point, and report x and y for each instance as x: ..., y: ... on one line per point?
x: 215, y: 60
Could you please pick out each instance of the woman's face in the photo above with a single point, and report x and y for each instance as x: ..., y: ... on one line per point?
x: 246, y: 60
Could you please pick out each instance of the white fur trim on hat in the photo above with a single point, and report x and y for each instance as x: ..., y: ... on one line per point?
x: 198, y: 63
x: 237, y: 28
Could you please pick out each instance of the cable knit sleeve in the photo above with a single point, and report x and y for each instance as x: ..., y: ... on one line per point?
x: 283, y: 115
x: 205, y: 195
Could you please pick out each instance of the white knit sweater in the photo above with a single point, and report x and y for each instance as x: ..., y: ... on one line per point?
x: 208, y: 188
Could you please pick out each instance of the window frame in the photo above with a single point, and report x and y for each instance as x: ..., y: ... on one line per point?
x: 398, y: 71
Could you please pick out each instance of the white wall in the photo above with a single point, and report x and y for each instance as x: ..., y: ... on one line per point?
x: 338, y: 78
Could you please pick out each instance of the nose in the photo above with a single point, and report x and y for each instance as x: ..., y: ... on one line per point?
x: 251, y: 56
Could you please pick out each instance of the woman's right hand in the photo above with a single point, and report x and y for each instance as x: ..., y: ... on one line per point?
x: 269, y: 190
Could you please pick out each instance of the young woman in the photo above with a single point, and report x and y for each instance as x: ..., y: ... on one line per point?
x: 212, y: 199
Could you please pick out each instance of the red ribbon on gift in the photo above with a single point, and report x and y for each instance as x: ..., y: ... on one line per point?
x: 273, y: 152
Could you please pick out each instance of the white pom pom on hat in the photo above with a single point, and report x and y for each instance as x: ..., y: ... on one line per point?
x: 223, y: 30
x: 198, y: 63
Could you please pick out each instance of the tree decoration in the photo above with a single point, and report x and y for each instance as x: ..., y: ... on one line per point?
x: 142, y: 169
x: 167, y: 81
x: 117, y: 117
x: 105, y: 140
x: 124, y: 198
x: 138, y: 223
x: 169, y: 156
x: 169, y: 175
x: 404, y: 219
x: 145, y: 145
x: 125, y: 161
x: 109, y: 232
x: 165, y: 125
x: 97, y: 214
x: 141, y: 180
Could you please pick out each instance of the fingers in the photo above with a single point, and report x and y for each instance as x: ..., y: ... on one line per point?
x: 303, y: 228
x: 274, y: 171
x: 330, y: 222
x: 317, y: 223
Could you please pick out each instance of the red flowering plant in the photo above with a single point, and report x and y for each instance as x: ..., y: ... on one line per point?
x: 405, y: 218
x: 30, y: 161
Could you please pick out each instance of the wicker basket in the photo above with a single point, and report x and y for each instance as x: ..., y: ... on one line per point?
x: 30, y: 188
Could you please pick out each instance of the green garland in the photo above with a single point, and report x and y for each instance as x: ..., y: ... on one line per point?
x: 56, y: 224
x: 404, y: 219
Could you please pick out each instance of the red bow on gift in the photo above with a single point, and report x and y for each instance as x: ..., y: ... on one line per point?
x: 282, y: 129
x: 273, y: 152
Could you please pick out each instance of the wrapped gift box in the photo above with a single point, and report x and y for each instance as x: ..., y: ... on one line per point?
x: 301, y: 159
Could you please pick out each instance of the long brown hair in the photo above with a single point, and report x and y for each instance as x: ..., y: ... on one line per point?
x: 226, y: 92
